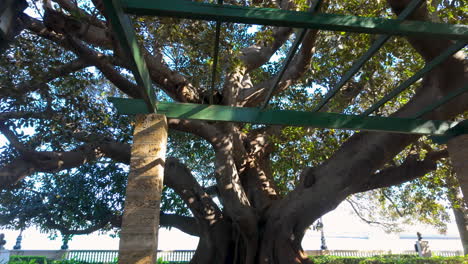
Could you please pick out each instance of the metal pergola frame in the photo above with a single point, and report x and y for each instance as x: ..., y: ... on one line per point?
x: 117, y: 11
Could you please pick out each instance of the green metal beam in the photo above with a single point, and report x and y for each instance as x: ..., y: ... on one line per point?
x: 364, y: 58
x: 418, y: 75
x: 215, y: 56
x: 277, y: 17
x: 292, y: 51
x: 286, y: 117
x: 122, y: 26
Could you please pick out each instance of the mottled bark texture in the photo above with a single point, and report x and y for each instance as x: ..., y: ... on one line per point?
x: 458, y: 149
x: 140, y: 221
x: 255, y: 225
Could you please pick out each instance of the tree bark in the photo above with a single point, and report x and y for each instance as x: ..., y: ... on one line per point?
x: 255, y: 225
x: 458, y: 149
x: 461, y: 219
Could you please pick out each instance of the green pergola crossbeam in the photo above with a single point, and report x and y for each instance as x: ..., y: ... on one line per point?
x: 286, y: 117
x: 215, y: 56
x: 122, y: 26
x: 364, y: 58
x: 442, y: 101
x: 418, y: 75
x: 289, y: 57
x: 278, y: 17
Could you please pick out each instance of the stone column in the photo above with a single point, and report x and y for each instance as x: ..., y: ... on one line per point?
x: 140, y: 223
x: 458, y: 151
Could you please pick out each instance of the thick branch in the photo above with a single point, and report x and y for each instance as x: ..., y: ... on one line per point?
x: 185, y: 224
x: 86, y: 54
x: 258, y: 54
x: 39, y: 29
x: 233, y: 195
x: 299, y: 65
x: 30, y: 162
x: 173, y: 83
x: 410, y: 169
x: 348, y: 170
x: 429, y: 48
x: 67, y: 25
x: 56, y: 72
x: 178, y: 177
x: 11, y: 136
x: 256, y: 174
x: 100, y: 61
x: 200, y: 128
x: 89, y: 230
x: 71, y: 7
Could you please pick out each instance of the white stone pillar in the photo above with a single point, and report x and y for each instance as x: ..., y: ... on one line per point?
x: 140, y: 223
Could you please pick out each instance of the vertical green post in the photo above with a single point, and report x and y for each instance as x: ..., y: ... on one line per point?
x: 123, y: 28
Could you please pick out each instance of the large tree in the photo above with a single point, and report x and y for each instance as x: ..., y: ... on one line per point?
x: 63, y: 134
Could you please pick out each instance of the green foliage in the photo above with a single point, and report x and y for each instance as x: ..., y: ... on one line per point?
x: 32, y: 260
x: 75, y: 107
x: 390, y: 259
x: 28, y: 260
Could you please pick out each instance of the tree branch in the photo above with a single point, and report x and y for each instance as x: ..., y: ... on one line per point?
x: 178, y: 177
x: 358, y: 213
x: 100, y: 61
x: 64, y: 231
x: 367, y: 221
x: 41, y: 81
x: 236, y: 203
x: 71, y: 7
x: 298, y: 66
x: 350, y: 167
x: 173, y: 83
x: 429, y: 48
x: 183, y: 223
x: 200, y: 128
x: 37, y: 27
x: 258, y: 54
x: 395, y: 206
x: 410, y: 169
x: 67, y: 25
x: 86, y: 54
x: 30, y: 162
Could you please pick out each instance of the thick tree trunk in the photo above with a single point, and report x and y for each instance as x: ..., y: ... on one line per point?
x: 461, y: 218
x: 227, y: 246
x: 458, y: 154
x: 458, y: 150
x: 460, y: 208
